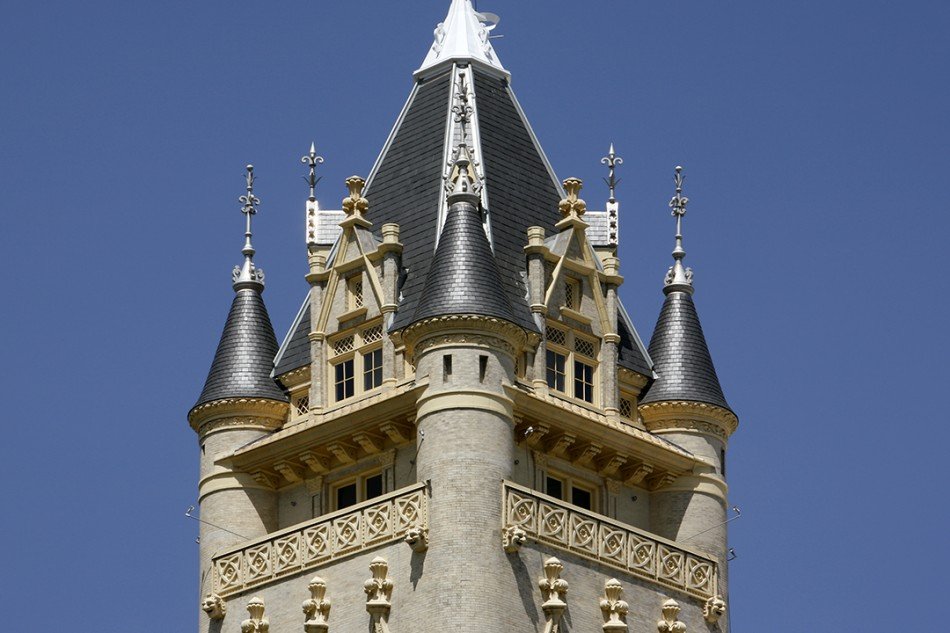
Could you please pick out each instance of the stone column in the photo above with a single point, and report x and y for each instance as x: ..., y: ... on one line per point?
x: 610, y: 351
x: 392, y: 255
x: 317, y: 279
x: 535, y: 253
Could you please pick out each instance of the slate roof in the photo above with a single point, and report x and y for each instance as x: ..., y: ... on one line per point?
x: 244, y: 358
x: 681, y: 357
x: 463, y: 277
x: 406, y: 189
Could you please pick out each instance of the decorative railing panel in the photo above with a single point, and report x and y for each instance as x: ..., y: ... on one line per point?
x: 332, y: 536
x: 610, y: 542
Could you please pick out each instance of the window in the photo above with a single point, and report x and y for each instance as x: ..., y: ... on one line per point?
x: 357, y: 490
x: 302, y: 405
x: 568, y: 369
x: 372, y: 369
x: 583, y: 381
x: 626, y: 408
x: 357, y: 363
x: 354, y: 292
x: 343, y: 381
x: 555, y: 370
x: 570, y: 490
x: 572, y: 294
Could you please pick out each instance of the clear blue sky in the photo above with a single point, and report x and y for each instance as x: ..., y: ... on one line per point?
x: 815, y: 140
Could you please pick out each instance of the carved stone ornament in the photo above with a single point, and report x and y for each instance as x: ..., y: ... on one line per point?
x: 669, y: 623
x: 613, y: 608
x: 215, y: 606
x: 512, y: 538
x: 257, y: 623
x: 553, y: 589
x: 713, y: 609
x: 355, y: 203
x: 572, y: 205
x: 418, y: 539
x: 379, y: 591
x: 316, y: 610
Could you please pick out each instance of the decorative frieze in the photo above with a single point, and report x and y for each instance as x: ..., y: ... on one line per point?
x: 669, y: 623
x: 612, y: 543
x: 614, y: 608
x: 382, y: 520
x: 553, y: 590
x: 316, y: 610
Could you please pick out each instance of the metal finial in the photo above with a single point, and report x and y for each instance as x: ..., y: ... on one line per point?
x: 312, y: 160
x: 462, y: 109
x: 612, y: 161
x: 678, y: 277
x: 248, y: 273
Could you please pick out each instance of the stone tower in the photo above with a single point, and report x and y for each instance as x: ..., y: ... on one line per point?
x: 462, y: 429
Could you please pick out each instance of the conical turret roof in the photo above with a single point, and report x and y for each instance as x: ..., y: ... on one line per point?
x: 244, y: 359
x: 681, y: 358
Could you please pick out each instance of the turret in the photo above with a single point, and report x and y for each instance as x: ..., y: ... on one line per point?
x: 685, y: 404
x: 464, y: 338
x: 240, y: 403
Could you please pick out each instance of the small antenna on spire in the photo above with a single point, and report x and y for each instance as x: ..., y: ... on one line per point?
x: 678, y: 277
x: 312, y: 160
x: 248, y: 273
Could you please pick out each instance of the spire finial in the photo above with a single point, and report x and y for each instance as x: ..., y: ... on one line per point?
x: 248, y: 275
x: 463, y: 183
x: 612, y: 161
x: 613, y: 220
x: 678, y: 277
x: 572, y: 206
x: 312, y: 160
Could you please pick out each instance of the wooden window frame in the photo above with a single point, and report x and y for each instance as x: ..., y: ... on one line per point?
x: 357, y: 355
x: 571, y: 356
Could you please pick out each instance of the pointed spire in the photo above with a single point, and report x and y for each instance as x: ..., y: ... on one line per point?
x: 244, y: 359
x: 248, y: 275
x: 464, y: 36
x: 312, y: 160
x: 679, y: 278
x: 681, y: 358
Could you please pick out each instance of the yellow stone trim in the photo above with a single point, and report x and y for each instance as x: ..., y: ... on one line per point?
x: 667, y: 417
x: 227, y: 480
x: 457, y: 328
x: 238, y: 413
x: 465, y: 399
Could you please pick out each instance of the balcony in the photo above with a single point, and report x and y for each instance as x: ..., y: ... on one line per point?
x: 330, y: 537
x: 609, y: 542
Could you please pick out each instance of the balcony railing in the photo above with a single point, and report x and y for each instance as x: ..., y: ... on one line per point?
x: 606, y: 541
x: 327, y: 538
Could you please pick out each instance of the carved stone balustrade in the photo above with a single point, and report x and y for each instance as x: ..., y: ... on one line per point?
x: 607, y: 541
x: 330, y: 537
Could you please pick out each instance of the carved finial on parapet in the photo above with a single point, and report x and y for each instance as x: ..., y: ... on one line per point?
x: 316, y: 610
x: 512, y: 538
x: 669, y: 623
x: 417, y: 538
x: 355, y: 204
x: 714, y: 609
x: 553, y: 589
x: 614, y: 609
x: 214, y: 606
x: 572, y: 206
x: 379, y: 591
x: 257, y: 623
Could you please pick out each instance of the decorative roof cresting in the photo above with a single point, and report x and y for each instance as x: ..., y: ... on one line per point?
x: 678, y: 277
x: 248, y: 275
x: 464, y: 36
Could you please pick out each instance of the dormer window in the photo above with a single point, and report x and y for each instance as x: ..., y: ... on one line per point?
x: 357, y: 363
x: 570, y: 364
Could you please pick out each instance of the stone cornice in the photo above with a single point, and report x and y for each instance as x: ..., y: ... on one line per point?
x: 691, y: 416
x: 634, y: 378
x: 255, y: 413
x: 295, y: 378
x: 463, y: 328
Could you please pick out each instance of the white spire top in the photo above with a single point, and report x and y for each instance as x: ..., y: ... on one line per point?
x: 463, y: 36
